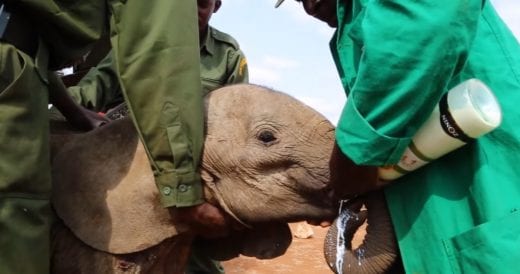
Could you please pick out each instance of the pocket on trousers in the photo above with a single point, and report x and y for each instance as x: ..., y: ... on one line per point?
x: 492, y: 247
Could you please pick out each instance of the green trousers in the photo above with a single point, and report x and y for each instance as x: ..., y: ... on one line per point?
x: 25, y: 184
x: 200, y: 263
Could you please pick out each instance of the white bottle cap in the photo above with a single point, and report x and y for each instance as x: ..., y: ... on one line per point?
x: 474, y: 108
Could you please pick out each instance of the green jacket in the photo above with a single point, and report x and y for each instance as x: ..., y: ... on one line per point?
x: 99, y: 89
x: 146, y: 38
x: 222, y: 63
x: 460, y: 213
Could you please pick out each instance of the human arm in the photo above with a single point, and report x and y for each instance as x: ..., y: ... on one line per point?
x: 159, y: 73
x: 99, y: 89
x: 222, y: 61
x: 237, y: 65
x: 158, y: 65
x: 408, y: 54
x: 76, y: 115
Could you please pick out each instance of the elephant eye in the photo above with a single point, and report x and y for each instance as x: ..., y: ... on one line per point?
x: 266, y: 136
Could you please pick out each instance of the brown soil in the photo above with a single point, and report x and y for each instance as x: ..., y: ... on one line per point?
x: 304, y: 256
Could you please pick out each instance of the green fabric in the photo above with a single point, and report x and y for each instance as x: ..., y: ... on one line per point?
x: 99, y: 89
x: 156, y: 56
x: 200, y: 263
x: 25, y: 183
x: 67, y: 27
x: 460, y: 213
x: 222, y: 63
x: 157, y: 63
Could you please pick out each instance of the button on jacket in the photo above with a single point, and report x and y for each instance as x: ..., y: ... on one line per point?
x: 170, y: 123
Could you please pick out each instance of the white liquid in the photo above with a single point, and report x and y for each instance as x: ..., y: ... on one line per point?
x: 341, y: 225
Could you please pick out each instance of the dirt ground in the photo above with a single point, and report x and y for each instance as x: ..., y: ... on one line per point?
x: 304, y: 256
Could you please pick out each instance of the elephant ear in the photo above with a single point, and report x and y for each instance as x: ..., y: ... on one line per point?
x: 62, y: 132
x: 263, y: 241
x: 104, y: 191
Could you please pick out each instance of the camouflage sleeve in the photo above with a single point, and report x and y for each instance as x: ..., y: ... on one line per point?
x: 99, y: 88
x: 159, y: 72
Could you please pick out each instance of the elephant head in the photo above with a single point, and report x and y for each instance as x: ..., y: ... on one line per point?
x: 266, y: 155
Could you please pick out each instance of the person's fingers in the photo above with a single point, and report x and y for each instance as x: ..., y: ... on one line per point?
x: 325, y: 223
x: 205, y: 220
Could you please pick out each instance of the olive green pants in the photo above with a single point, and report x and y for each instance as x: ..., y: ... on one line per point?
x: 200, y: 263
x: 25, y: 184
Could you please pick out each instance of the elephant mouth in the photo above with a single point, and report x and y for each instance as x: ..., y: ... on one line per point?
x: 314, y: 186
x: 297, y: 196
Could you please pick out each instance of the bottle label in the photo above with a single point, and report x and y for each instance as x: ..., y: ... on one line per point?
x: 412, y: 159
x: 448, y: 124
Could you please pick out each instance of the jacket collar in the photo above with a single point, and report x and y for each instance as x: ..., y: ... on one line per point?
x: 208, y: 42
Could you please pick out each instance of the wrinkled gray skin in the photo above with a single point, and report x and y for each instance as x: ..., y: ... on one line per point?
x: 267, y: 155
x: 265, y: 162
x: 378, y: 253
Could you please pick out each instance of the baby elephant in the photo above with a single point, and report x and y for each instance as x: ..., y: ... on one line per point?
x: 265, y: 163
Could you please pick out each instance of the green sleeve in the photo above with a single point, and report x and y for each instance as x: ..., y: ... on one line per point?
x: 237, y: 64
x: 68, y: 27
x: 99, y: 89
x: 408, y: 52
x: 156, y: 54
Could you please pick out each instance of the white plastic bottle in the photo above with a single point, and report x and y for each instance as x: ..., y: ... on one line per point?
x: 466, y: 112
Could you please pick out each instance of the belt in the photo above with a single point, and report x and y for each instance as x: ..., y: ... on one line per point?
x: 17, y: 30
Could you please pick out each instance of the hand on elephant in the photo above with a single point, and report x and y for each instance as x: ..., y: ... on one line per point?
x: 322, y: 223
x: 88, y: 120
x: 348, y: 179
x: 205, y: 220
x: 79, y: 117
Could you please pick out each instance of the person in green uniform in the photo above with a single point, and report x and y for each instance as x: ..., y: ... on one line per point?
x: 155, y: 48
x: 222, y: 63
x: 396, y: 59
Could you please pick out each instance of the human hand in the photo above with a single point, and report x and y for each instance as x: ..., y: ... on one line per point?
x: 86, y: 119
x: 78, y: 116
x: 322, y: 223
x: 348, y: 179
x: 205, y: 220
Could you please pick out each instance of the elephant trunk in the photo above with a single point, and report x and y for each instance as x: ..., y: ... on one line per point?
x: 377, y: 253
